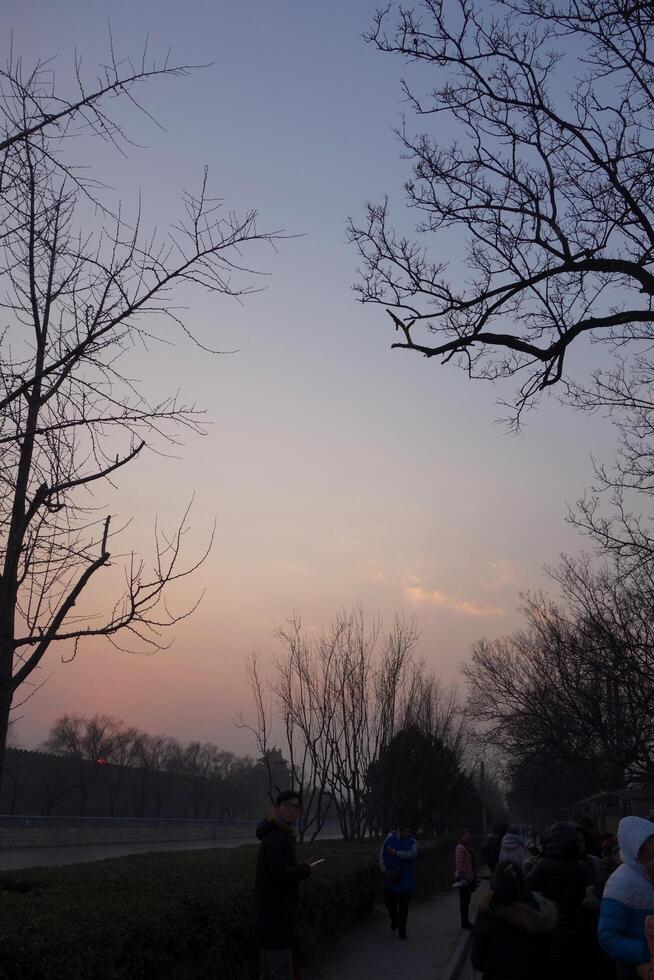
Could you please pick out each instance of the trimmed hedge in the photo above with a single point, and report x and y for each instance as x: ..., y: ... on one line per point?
x: 176, y: 915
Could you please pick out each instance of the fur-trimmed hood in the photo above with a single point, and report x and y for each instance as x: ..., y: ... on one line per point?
x: 520, y: 914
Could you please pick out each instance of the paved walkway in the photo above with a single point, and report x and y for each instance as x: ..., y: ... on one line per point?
x: 372, y: 952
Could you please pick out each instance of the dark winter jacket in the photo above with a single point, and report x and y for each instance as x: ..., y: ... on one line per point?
x: 277, y: 886
x: 562, y: 878
x: 512, y: 942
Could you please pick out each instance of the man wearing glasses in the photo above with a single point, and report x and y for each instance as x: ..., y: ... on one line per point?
x: 277, y: 888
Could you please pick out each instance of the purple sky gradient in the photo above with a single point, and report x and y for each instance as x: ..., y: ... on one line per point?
x: 338, y: 470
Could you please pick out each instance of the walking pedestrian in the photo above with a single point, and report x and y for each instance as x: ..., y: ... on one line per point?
x: 512, y: 932
x: 277, y: 888
x: 397, y: 860
x: 465, y: 875
x: 561, y: 876
x: 629, y: 898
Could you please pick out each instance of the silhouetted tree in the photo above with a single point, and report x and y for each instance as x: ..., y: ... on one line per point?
x: 341, y: 694
x: 548, y: 191
x: 157, y: 759
x: 120, y: 756
x: 89, y: 744
x: 541, y: 792
x: 576, y: 683
x: 75, y: 303
x: 203, y: 768
x: 418, y: 778
x: 536, y: 189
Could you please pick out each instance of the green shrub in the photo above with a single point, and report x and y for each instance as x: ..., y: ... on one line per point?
x: 173, y: 915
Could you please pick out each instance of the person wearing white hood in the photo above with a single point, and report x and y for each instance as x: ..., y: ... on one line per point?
x: 629, y: 897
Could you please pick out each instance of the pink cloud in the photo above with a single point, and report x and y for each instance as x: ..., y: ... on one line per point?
x: 433, y: 597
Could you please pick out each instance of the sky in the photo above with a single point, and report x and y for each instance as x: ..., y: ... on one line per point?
x: 338, y: 471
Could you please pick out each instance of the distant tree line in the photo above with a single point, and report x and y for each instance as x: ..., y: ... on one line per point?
x: 99, y: 766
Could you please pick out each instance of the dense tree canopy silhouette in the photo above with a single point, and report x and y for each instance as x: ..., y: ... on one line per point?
x: 418, y: 778
x: 75, y: 302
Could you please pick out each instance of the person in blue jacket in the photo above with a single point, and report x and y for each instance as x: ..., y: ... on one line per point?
x: 397, y: 860
x: 629, y: 897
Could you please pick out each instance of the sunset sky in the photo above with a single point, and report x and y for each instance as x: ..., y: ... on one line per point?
x: 338, y: 471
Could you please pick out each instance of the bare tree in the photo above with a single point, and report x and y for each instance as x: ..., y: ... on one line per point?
x: 550, y: 190
x: 242, y: 790
x: 303, y: 690
x: 157, y: 758
x: 575, y: 685
x: 33, y: 107
x: 120, y: 756
x: 203, y: 768
x: 376, y: 693
x: 417, y: 771
x: 341, y: 695
x: 76, y: 303
x: 89, y: 744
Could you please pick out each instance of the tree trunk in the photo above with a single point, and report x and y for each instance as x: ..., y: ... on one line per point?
x: 6, y: 697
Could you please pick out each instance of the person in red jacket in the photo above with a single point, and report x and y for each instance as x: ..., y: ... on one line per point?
x: 465, y: 875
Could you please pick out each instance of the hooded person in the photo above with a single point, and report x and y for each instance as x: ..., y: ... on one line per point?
x: 513, y: 849
x: 512, y: 934
x: 629, y: 897
x: 562, y: 877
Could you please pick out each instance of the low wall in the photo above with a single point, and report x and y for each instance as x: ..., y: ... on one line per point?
x: 37, y: 831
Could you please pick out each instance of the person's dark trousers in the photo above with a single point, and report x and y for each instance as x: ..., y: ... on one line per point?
x: 397, y: 904
x: 465, y: 894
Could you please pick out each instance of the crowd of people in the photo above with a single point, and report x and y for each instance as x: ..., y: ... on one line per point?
x: 569, y: 906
